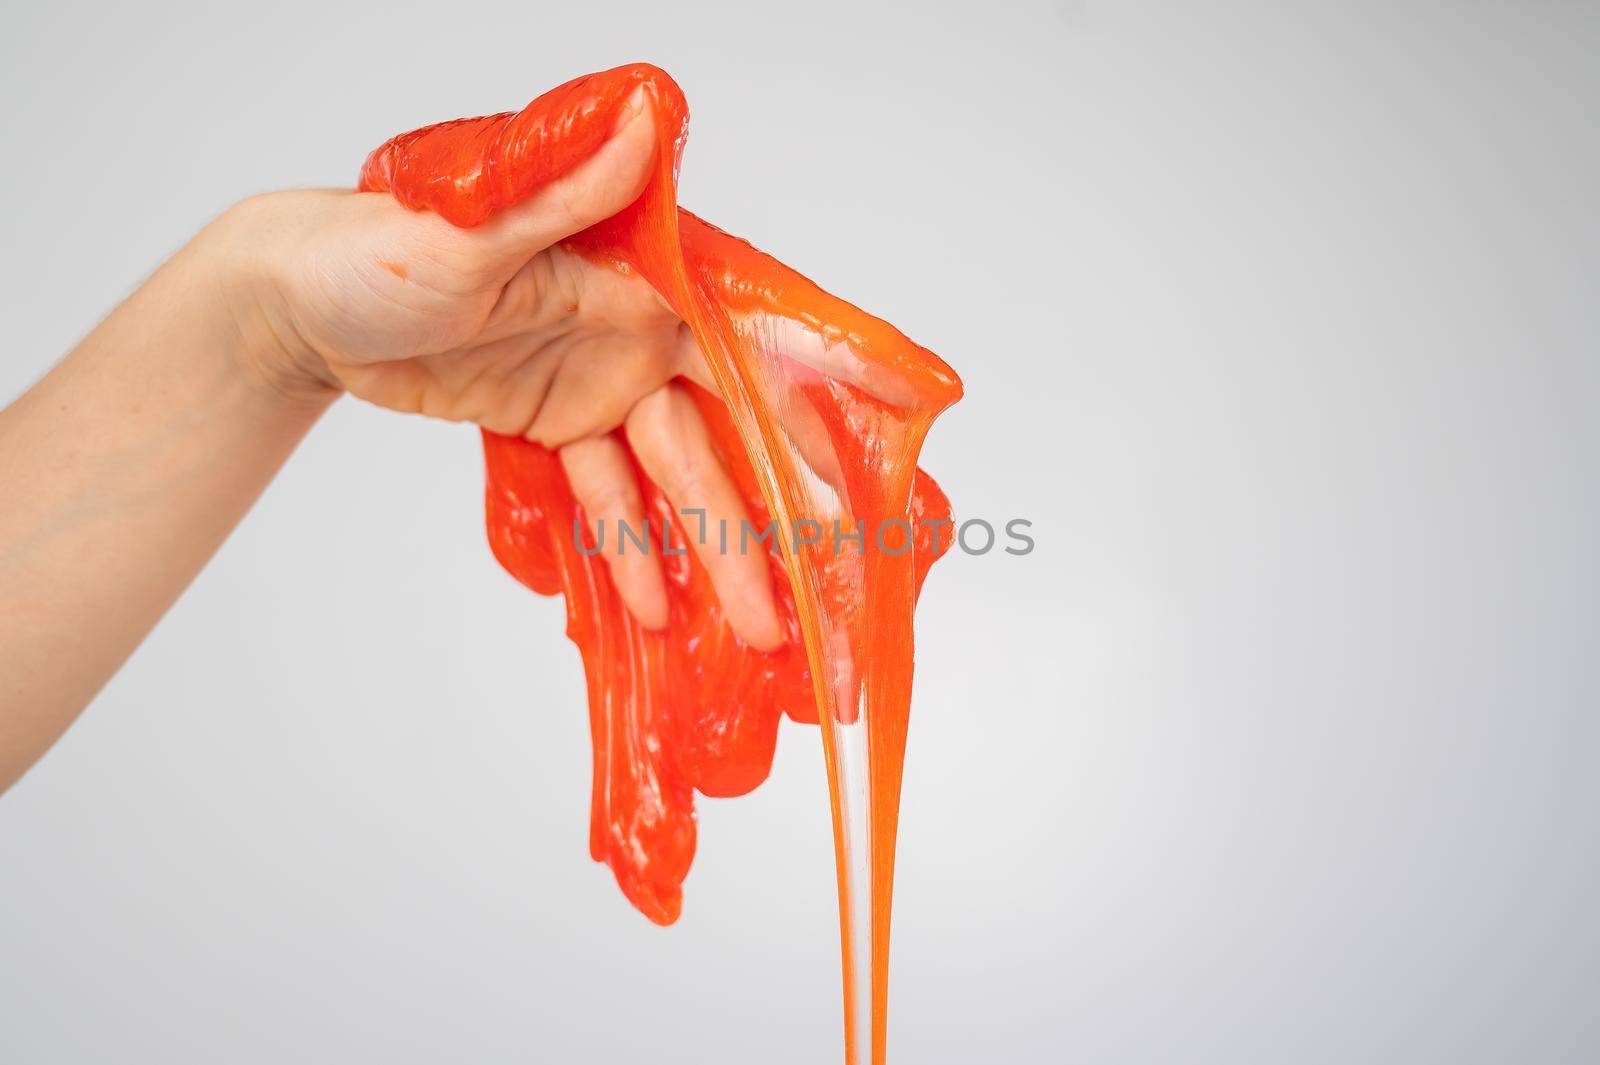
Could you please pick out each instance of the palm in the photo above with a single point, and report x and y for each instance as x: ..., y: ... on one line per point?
x: 560, y: 352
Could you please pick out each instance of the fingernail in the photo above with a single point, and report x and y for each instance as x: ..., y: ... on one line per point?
x: 632, y: 108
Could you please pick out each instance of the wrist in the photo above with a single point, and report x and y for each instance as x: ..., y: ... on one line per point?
x: 241, y: 254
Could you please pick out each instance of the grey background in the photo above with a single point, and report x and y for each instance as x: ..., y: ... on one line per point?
x: 1277, y: 320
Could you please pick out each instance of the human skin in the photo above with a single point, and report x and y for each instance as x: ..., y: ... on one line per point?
x: 127, y: 465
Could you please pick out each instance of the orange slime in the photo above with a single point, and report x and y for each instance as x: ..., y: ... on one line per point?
x: 822, y: 412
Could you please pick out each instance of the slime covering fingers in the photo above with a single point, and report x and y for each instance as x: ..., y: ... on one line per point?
x: 824, y: 411
x: 801, y: 424
x: 591, y: 191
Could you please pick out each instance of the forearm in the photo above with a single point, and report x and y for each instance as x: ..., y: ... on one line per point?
x: 121, y: 472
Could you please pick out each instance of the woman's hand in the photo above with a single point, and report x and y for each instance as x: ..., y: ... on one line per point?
x: 500, y: 326
x: 126, y: 466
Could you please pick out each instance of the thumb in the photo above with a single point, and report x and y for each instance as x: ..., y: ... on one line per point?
x: 594, y: 190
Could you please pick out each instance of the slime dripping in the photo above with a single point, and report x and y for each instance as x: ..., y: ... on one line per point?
x: 821, y: 414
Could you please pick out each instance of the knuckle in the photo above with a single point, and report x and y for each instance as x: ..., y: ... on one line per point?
x: 611, y: 499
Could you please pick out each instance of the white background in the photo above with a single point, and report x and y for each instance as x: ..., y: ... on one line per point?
x: 1277, y: 321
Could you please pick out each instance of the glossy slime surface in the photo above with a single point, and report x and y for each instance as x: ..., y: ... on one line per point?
x: 822, y: 412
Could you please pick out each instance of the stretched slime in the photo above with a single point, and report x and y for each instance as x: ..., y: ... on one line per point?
x: 821, y: 414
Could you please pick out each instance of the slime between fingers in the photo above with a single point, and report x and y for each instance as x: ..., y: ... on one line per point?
x: 821, y: 414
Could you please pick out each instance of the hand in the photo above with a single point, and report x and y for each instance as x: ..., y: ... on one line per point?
x: 500, y: 326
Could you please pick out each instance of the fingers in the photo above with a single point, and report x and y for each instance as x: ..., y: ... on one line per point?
x: 797, y: 416
x: 591, y: 192
x: 603, y: 481
x: 691, y: 361
x: 595, y: 387
x: 675, y: 449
